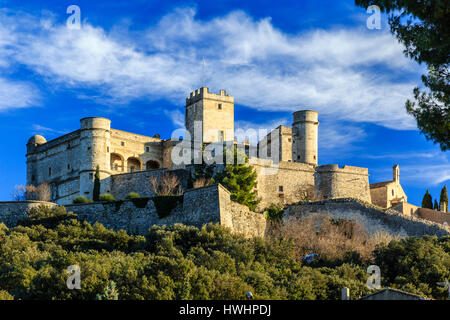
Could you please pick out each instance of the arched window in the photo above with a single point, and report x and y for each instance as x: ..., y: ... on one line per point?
x: 116, y: 162
x: 151, y: 164
x: 133, y: 165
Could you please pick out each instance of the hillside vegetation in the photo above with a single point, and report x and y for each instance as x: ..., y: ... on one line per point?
x: 182, y: 262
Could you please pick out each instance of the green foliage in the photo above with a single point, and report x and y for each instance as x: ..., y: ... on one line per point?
x: 416, y: 264
x: 184, y: 262
x: 165, y: 204
x: 4, y: 295
x: 81, y: 199
x: 96, y: 192
x: 133, y: 195
x: 427, y: 201
x: 436, y: 205
x: 239, y: 178
x: 110, y: 292
x: 274, y: 212
x: 106, y: 197
x: 423, y: 28
x: 49, y: 217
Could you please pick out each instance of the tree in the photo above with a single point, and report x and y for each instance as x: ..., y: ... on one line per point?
x: 427, y: 201
x: 424, y: 28
x: 436, y: 205
x: 444, y: 197
x: 239, y: 179
x: 96, y: 192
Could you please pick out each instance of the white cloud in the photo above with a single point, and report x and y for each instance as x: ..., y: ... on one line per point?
x: 347, y: 74
x: 176, y: 116
x: 37, y: 128
x: 339, y: 138
x: 16, y: 94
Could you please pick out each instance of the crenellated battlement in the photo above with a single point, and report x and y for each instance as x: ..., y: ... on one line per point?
x: 203, y: 93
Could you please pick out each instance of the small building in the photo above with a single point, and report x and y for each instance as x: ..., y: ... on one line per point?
x: 387, y: 194
x: 393, y: 294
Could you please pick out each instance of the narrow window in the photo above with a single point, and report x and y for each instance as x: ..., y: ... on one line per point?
x: 147, y: 149
x: 219, y: 106
x: 122, y: 143
x: 107, y: 149
x: 220, y: 136
x: 280, y: 188
x: 68, y: 167
x: 49, y: 172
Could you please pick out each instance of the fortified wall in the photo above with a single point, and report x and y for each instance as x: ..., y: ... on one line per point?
x: 199, y: 206
x: 333, y: 182
x: 374, y: 219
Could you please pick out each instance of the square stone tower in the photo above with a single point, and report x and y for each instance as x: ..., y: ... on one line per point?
x: 209, y: 117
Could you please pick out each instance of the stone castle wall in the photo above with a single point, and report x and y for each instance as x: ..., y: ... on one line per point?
x: 123, y: 184
x: 200, y: 206
x: 13, y: 211
x: 332, y: 182
x: 374, y: 219
x: 282, y: 183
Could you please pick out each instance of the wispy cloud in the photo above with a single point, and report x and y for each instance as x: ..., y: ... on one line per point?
x: 17, y: 94
x: 176, y: 116
x: 347, y: 74
x: 41, y: 129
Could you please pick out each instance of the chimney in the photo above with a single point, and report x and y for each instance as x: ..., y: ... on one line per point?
x: 345, y: 294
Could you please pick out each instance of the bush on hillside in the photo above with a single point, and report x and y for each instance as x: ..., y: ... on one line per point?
x: 81, y: 199
x: 107, y: 197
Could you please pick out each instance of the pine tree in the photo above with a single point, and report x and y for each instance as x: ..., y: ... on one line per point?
x: 239, y: 179
x: 444, y: 196
x: 96, y: 192
x: 436, y: 205
x: 427, y: 201
x: 423, y: 28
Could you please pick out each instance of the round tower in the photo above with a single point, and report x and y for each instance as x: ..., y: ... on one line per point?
x: 32, y: 157
x: 94, y: 150
x: 305, y: 134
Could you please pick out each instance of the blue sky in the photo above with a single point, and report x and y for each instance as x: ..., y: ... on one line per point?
x: 135, y: 62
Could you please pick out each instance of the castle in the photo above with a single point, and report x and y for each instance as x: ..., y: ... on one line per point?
x: 286, y: 159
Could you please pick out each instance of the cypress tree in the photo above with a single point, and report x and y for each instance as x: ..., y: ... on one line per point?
x: 444, y: 196
x: 96, y: 192
x: 427, y: 201
x: 436, y: 205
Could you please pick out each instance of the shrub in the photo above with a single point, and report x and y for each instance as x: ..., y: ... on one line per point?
x: 81, y: 199
x: 274, y: 212
x: 31, y: 192
x: 106, y: 197
x: 4, y: 295
x: 133, y: 195
x: 166, y: 185
x: 201, y: 182
x: 47, y: 216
